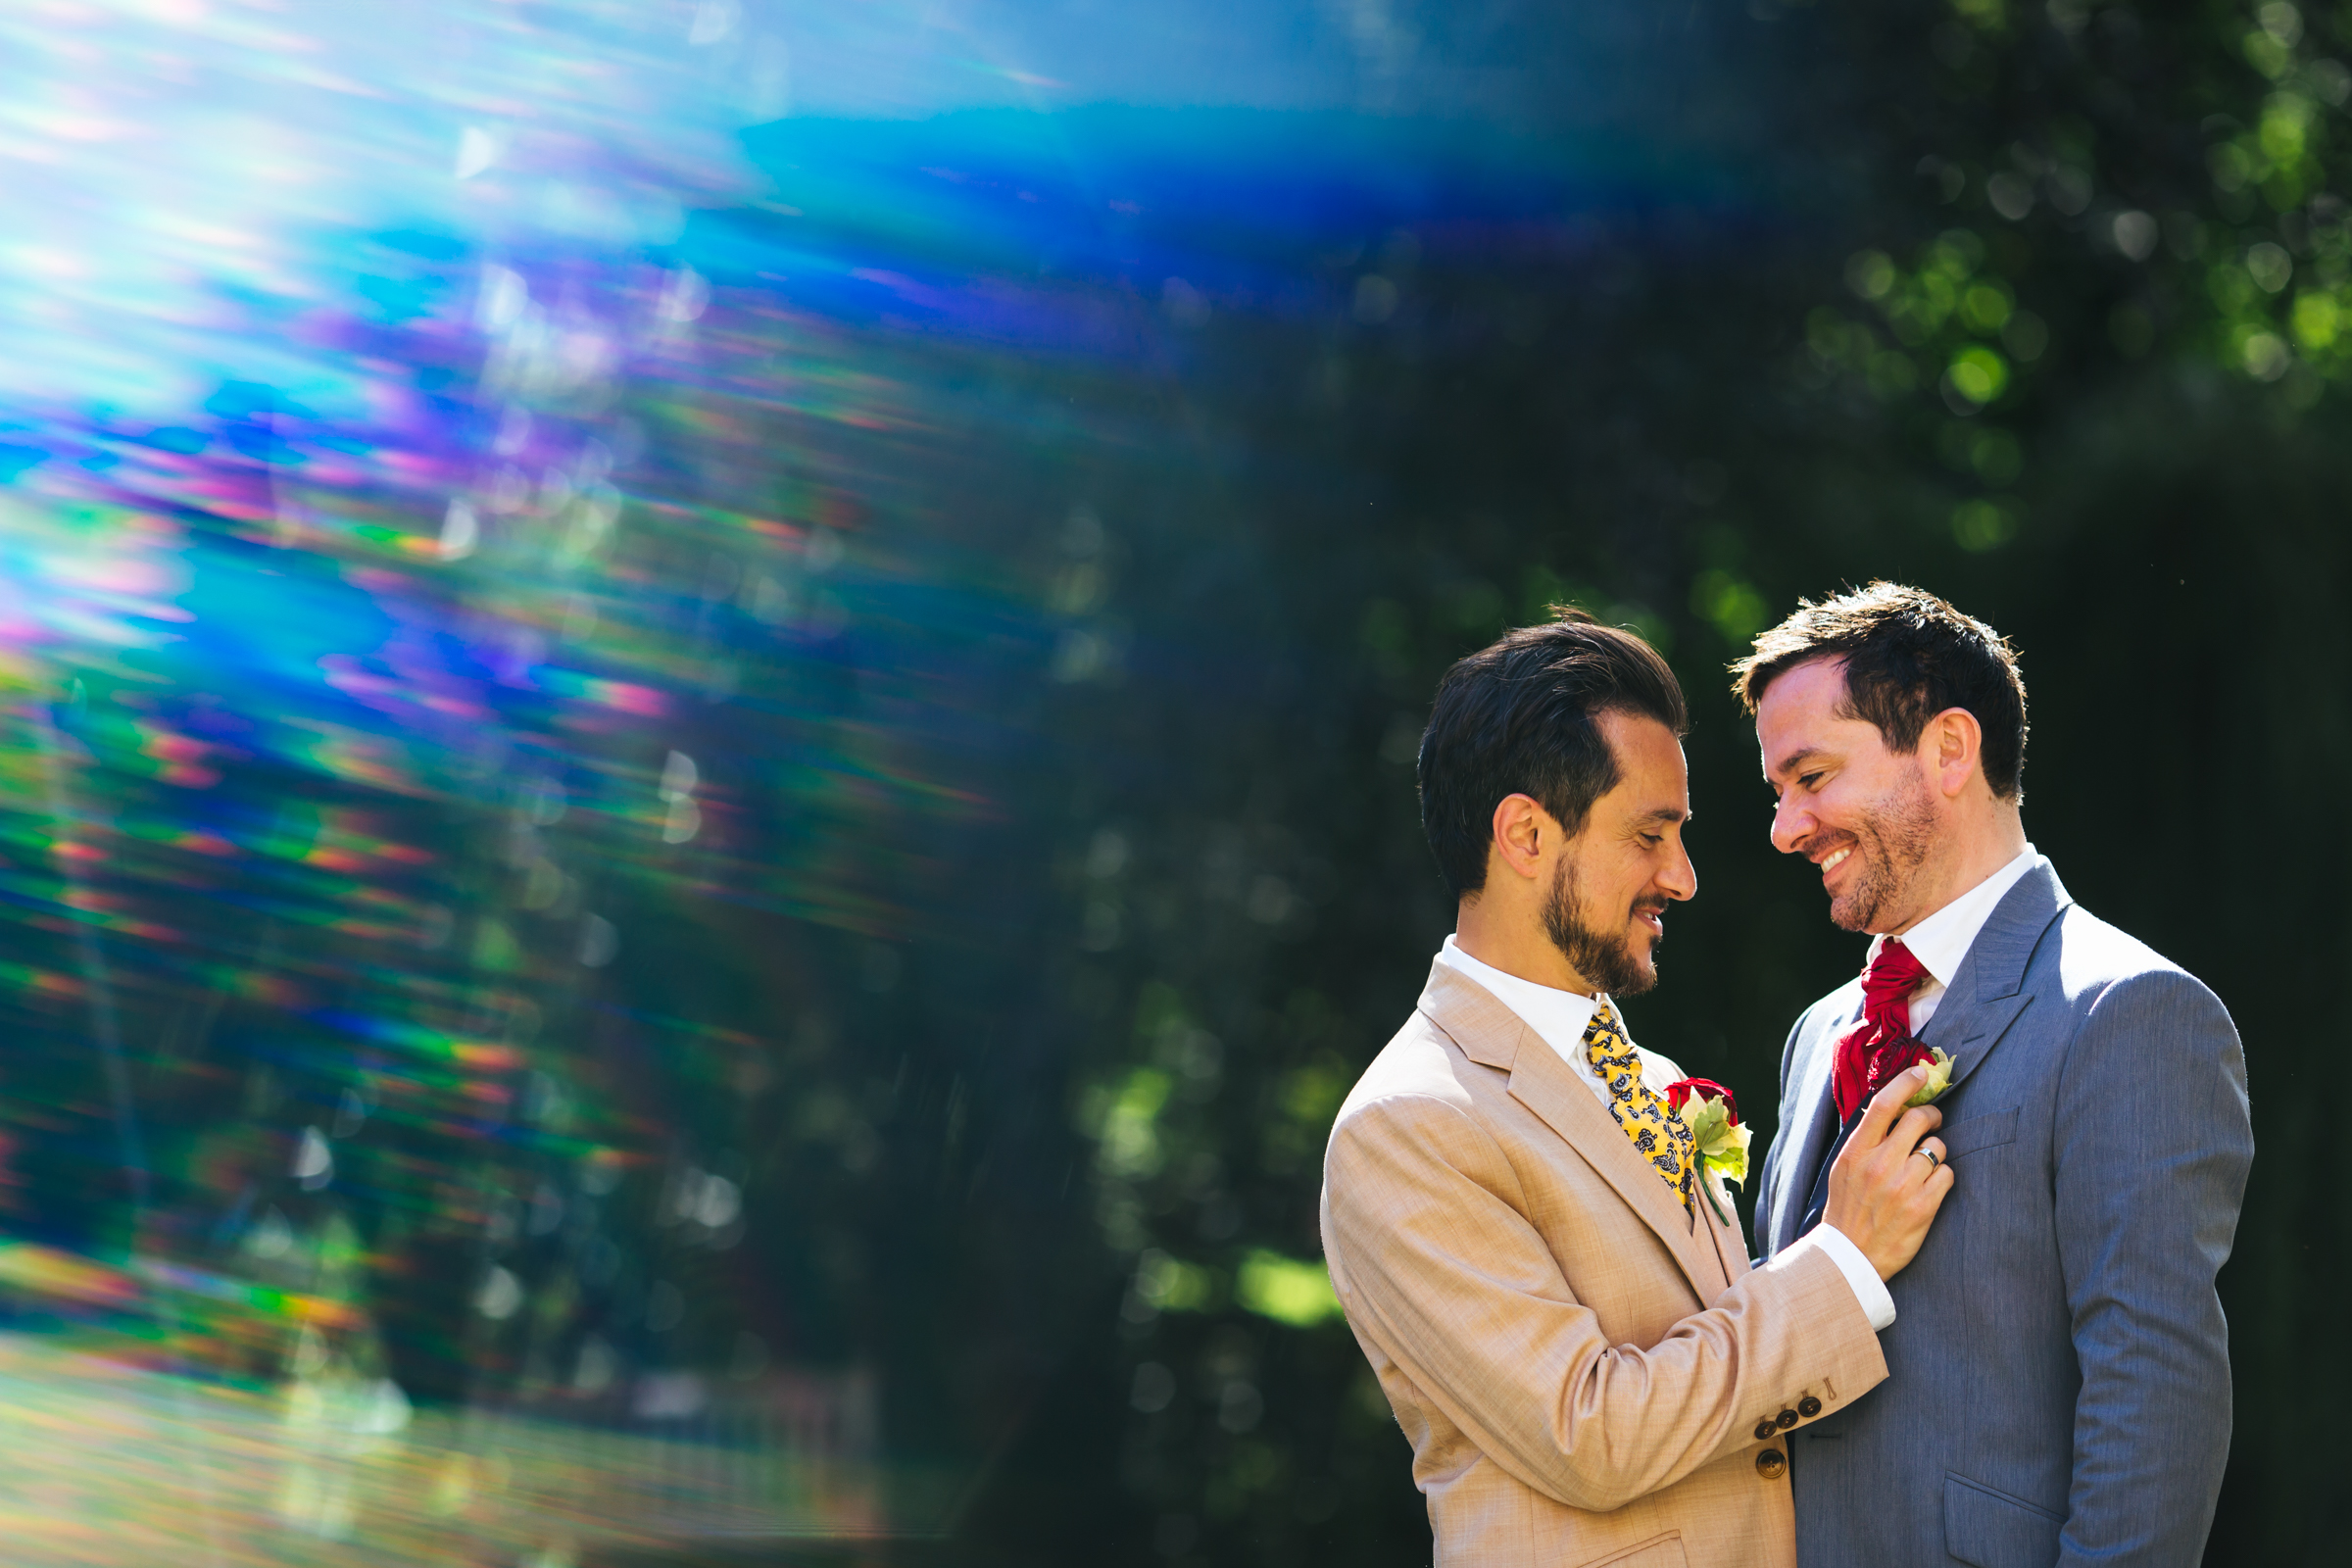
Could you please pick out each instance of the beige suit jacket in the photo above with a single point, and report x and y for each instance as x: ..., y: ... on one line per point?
x: 1580, y: 1366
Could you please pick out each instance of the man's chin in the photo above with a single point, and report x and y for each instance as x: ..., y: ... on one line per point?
x: 1859, y: 910
x: 1640, y: 969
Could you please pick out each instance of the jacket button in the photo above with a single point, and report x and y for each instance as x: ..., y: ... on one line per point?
x: 1808, y: 1407
x: 1766, y: 1428
x: 1772, y: 1464
x: 1788, y: 1419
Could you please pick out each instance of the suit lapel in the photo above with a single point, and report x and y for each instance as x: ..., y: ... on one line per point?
x: 1980, y: 1005
x: 1793, y: 1178
x: 1494, y: 1036
x: 1987, y: 994
x: 1547, y: 1086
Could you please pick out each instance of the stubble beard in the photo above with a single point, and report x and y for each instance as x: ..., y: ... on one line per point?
x: 1609, y: 963
x: 1895, y: 835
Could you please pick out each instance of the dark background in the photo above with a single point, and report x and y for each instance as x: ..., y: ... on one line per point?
x: 1665, y: 411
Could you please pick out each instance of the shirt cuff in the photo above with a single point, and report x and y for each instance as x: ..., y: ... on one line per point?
x: 1869, y: 1290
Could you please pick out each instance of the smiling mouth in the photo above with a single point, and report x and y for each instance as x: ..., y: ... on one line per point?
x: 1831, y: 863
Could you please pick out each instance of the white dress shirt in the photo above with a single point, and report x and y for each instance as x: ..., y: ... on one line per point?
x: 1941, y: 940
x: 1560, y: 1017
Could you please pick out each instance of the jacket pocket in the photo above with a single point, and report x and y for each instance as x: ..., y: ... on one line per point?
x: 1992, y: 1529
x: 1659, y: 1551
x: 1987, y: 1131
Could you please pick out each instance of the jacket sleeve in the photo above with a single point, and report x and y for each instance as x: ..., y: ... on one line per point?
x: 2153, y: 1144
x: 1435, y: 1262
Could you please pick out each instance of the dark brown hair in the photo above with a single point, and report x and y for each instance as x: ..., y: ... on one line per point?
x: 1908, y: 656
x: 1518, y: 718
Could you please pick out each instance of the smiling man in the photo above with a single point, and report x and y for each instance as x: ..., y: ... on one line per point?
x: 1554, y: 1294
x: 2058, y: 1383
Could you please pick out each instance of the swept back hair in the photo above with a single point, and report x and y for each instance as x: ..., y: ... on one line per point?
x: 1520, y: 717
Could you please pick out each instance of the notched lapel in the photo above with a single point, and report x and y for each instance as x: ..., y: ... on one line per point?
x: 1992, y: 976
x: 1494, y: 1036
x: 1986, y: 1023
x: 1547, y: 1086
x: 1984, y: 999
x: 1793, y: 1177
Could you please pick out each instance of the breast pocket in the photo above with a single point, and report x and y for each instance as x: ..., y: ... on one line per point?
x: 1989, y: 1131
x: 1659, y: 1551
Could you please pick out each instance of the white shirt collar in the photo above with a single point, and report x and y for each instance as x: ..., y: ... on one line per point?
x: 1558, y: 1019
x: 1941, y: 940
x: 1558, y: 1016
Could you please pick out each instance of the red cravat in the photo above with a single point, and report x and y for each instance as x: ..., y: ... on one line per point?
x: 1873, y: 1050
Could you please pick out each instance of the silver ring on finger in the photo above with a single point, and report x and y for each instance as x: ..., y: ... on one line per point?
x: 1933, y: 1159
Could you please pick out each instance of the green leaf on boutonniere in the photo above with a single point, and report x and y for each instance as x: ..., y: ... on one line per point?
x: 1940, y: 1078
x: 1721, y: 1142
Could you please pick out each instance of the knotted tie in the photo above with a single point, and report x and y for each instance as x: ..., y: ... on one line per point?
x: 1878, y: 1045
x: 1658, y: 1129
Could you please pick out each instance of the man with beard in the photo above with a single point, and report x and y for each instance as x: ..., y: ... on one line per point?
x: 1552, y: 1287
x: 2059, y: 1388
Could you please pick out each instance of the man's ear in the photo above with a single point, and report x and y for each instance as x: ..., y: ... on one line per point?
x: 1954, y: 748
x: 1524, y: 833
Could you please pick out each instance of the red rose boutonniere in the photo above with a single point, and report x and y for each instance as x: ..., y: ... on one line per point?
x: 1888, y: 1062
x: 1715, y: 1128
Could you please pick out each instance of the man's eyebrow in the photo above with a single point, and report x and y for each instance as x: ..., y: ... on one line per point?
x: 1662, y: 813
x: 1794, y: 761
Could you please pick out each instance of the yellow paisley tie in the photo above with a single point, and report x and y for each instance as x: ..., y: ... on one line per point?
x: 1658, y: 1131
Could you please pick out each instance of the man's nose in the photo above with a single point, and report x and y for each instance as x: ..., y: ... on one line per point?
x: 1680, y: 879
x: 1792, y: 823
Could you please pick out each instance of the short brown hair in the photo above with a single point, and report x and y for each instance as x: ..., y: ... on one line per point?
x: 1518, y: 718
x: 1908, y: 657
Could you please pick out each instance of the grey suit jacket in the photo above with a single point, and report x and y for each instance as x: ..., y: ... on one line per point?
x: 2058, y: 1386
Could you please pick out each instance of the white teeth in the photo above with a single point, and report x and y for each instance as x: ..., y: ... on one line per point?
x: 1830, y: 864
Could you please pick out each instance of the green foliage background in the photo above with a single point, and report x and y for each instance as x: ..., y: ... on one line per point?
x: 2043, y: 308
